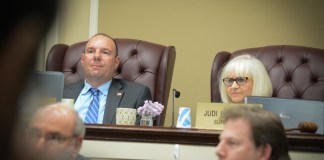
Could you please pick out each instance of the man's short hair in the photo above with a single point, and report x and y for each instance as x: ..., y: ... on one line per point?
x: 79, y: 127
x: 266, y: 128
x: 105, y: 35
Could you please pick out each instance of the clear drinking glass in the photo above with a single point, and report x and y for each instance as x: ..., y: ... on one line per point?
x: 146, y: 120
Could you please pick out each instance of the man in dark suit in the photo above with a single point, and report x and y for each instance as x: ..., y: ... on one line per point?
x: 100, y: 61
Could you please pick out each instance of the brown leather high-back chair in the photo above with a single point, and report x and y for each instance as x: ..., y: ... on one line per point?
x: 295, y: 71
x: 142, y: 62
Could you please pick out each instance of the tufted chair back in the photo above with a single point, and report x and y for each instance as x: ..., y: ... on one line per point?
x: 142, y: 62
x: 295, y: 71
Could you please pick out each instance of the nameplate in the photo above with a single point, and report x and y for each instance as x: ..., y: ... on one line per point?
x: 209, y: 115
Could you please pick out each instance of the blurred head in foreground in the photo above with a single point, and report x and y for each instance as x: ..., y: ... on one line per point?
x: 251, y: 133
x: 56, y: 132
x: 25, y: 25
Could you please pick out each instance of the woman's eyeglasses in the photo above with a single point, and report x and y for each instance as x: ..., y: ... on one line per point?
x: 238, y: 80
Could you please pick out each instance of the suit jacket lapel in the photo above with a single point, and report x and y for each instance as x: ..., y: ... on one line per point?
x: 113, y: 100
x: 73, y: 91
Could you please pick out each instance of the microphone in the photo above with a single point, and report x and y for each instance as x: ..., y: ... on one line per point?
x: 176, y: 94
x: 305, y: 126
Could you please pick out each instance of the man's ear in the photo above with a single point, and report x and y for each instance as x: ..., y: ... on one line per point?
x: 117, y: 61
x: 265, y: 152
x: 77, y: 145
x: 82, y: 57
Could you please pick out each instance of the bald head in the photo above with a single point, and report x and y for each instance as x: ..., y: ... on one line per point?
x: 60, y: 112
x: 58, y: 109
x: 111, y: 40
x: 56, y: 131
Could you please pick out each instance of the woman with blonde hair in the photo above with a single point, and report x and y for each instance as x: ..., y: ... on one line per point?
x: 244, y: 76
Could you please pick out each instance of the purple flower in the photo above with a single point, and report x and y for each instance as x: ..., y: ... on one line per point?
x: 150, y: 108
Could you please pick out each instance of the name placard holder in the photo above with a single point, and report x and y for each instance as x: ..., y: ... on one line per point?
x: 209, y: 115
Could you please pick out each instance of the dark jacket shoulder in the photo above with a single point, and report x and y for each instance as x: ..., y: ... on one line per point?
x: 129, y: 83
x: 80, y: 157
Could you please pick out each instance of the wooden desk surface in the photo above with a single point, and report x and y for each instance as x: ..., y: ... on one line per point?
x: 296, y: 142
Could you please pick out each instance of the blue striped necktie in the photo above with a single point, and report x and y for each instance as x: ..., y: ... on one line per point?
x: 92, y: 113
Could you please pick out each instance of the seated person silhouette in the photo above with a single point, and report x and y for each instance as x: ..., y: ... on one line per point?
x: 100, y: 61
